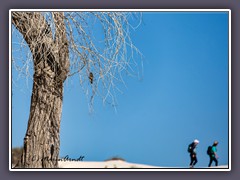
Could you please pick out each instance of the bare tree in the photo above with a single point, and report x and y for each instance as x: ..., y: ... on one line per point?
x: 63, y: 44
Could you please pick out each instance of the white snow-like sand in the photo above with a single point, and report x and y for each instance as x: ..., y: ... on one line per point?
x: 104, y: 164
x: 222, y: 166
x: 113, y: 164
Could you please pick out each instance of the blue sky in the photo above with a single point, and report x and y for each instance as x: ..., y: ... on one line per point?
x: 183, y: 95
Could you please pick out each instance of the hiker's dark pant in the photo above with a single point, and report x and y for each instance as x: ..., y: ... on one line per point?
x: 194, y: 160
x: 213, y: 158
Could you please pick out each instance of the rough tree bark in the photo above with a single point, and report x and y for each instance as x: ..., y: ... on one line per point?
x: 51, y: 67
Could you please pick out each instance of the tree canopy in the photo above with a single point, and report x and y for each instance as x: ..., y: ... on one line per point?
x: 100, y: 47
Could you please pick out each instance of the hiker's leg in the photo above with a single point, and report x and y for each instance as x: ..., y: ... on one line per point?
x: 195, y: 160
x: 191, y: 160
x: 210, y: 162
x: 216, y: 161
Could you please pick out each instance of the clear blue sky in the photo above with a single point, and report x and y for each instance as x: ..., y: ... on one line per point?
x: 183, y: 95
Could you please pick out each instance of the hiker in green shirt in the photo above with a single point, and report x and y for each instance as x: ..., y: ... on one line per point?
x: 213, y: 156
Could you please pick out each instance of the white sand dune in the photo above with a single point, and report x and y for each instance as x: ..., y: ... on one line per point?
x: 123, y: 165
x: 113, y: 164
x: 104, y: 164
x: 222, y: 166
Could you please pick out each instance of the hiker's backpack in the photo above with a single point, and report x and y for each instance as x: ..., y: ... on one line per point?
x: 190, y: 148
x: 209, y: 150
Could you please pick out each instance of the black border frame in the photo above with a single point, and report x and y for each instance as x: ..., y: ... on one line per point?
x: 173, y: 4
x: 137, y: 169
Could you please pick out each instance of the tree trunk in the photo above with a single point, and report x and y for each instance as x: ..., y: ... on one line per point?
x: 51, y: 66
x: 41, y: 143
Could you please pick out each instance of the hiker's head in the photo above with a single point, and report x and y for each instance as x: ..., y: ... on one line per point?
x: 196, y: 141
x: 215, y: 143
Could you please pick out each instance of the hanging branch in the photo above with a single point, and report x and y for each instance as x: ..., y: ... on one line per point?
x: 99, y: 44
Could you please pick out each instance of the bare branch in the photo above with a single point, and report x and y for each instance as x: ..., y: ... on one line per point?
x: 98, y: 43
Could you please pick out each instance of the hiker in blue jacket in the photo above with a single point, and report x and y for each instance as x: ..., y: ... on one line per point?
x: 193, y: 153
x: 213, y: 156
